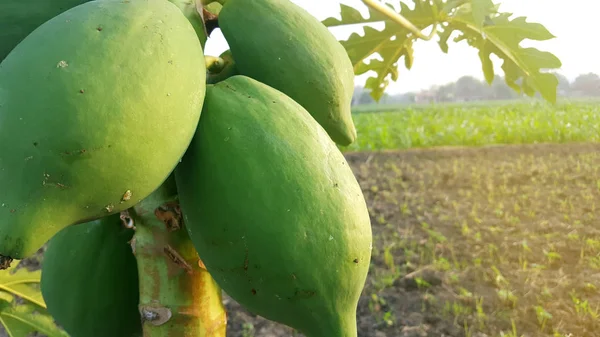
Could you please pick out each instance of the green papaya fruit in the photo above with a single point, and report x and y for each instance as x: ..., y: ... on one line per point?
x: 97, y: 107
x: 90, y: 280
x: 280, y: 44
x: 274, y: 209
x: 18, y: 18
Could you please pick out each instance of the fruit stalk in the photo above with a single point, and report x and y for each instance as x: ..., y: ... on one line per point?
x: 178, y: 297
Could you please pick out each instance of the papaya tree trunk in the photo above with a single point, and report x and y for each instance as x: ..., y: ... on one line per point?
x: 178, y: 297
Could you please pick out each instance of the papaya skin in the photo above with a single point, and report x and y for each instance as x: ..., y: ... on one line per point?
x: 90, y: 282
x: 97, y: 107
x: 274, y: 209
x: 18, y: 18
x: 282, y: 45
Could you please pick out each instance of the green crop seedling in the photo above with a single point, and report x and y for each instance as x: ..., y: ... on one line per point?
x: 159, y: 176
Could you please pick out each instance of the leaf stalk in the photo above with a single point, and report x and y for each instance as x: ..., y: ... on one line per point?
x: 401, y: 20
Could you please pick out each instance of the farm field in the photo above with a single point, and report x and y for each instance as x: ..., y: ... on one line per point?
x: 475, y: 124
x: 476, y: 235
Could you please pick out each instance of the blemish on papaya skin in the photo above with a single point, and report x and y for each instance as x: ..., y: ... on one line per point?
x: 62, y: 64
x: 355, y: 261
x: 35, y: 143
x: 304, y: 293
x: 81, y: 91
x: 253, y: 291
x: 99, y: 28
x: 109, y: 208
x: 126, y: 196
x: 29, y: 158
x: 47, y: 182
x: 246, y: 261
x: 73, y: 152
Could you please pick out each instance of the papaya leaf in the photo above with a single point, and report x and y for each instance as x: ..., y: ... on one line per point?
x: 4, y: 296
x: 22, y: 283
x: 391, y: 43
x: 481, y: 9
x: 351, y: 15
x: 478, y: 22
x: 502, y: 37
x: 22, y: 320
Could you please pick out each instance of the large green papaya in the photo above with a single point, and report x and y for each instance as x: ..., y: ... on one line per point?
x: 97, y: 107
x: 274, y: 209
x: 280, y: 44
x: 18, y: 18
x: 90, y: 280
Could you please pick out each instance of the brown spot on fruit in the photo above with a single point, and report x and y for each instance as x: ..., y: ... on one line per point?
x: 81, y: 91
x: 253, y: 291
x: 126, y: 196
x: 355, y: 260
x: 99, y: 29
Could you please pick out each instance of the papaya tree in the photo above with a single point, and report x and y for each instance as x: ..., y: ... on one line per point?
x: 159, y: 176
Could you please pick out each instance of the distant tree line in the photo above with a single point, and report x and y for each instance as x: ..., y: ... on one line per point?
x: 468, y: 88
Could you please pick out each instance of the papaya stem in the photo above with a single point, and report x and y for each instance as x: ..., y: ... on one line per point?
x: 177, y: 296
x: 401, y: 20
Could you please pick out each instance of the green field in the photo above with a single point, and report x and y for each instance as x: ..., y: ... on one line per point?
x: 475, y: 124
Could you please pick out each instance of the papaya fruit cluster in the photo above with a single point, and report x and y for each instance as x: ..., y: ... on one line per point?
x: 102, y: 101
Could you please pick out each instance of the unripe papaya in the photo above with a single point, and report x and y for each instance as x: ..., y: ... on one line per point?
x: 282, y: 45
x: 274, y: 209
x: 90, y: 281
x: 18, y: 18
x: 97, y: 107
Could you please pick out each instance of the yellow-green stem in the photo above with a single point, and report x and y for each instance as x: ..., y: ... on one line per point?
x: 178, y: 297
x: 401, y: 20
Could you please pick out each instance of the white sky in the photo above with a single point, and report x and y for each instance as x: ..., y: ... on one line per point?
x: 572, y: 25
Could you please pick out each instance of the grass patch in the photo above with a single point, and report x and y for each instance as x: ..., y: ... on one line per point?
x: 477, y: 124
